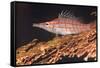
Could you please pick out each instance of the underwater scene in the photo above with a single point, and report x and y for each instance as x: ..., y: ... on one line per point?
x: 55, y: 33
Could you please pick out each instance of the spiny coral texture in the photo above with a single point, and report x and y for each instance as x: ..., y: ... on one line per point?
x: 82, y: 46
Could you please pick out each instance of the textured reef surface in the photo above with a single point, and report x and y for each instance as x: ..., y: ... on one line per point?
x: 60, y: 49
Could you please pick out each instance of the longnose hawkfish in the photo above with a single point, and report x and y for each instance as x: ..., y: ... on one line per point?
x: 65, y: 23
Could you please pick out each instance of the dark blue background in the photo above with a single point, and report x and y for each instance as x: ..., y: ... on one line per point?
x: 29, y: 13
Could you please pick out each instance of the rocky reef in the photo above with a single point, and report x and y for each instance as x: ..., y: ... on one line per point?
x: 60, y: 49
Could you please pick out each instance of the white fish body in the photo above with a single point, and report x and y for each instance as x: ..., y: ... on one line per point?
x: 64, y: 25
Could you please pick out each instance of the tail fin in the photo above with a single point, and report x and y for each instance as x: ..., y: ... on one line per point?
x: 93, y: 25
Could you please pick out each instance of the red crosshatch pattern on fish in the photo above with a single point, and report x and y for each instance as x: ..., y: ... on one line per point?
x: 66, y: 23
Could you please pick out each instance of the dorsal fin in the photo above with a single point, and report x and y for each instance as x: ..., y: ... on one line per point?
x: 66, y: 14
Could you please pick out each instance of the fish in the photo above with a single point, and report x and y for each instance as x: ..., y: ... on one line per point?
x: 66, y: 23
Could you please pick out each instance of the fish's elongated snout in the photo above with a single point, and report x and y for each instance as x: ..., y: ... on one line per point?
x: 38, y: 25
x: 35, y: 25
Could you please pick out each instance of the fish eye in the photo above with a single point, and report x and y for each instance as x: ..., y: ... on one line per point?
x: 47, y: 24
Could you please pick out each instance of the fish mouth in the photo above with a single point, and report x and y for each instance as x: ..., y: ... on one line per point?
x: 36, y: 25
